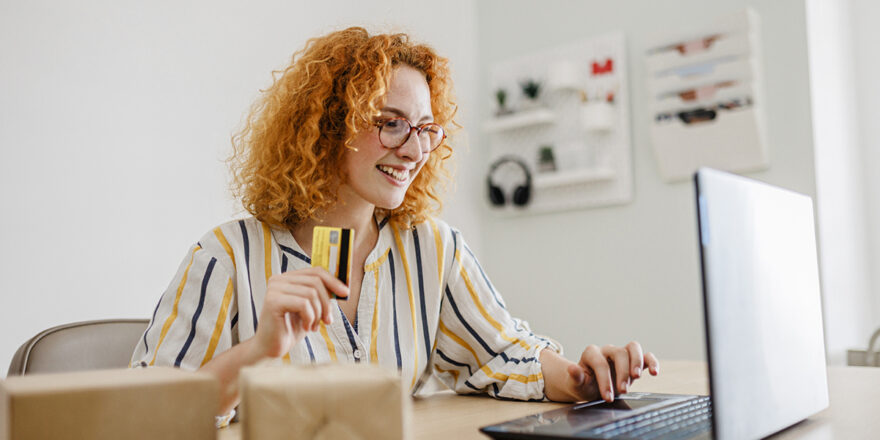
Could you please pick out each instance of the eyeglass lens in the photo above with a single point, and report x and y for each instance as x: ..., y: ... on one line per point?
x: 395, y: 132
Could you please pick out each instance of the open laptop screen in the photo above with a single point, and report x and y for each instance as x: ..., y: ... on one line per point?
x: 763, y: 307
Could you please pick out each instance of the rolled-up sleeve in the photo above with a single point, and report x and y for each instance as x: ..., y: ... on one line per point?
x: 192, y: 321
x: 480, y: 347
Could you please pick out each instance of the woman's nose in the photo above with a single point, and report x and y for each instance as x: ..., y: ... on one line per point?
x: 411, y: 149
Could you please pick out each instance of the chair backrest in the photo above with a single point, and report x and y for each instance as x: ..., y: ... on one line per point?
x: 88, y: 345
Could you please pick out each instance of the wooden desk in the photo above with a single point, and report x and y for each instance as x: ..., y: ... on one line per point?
x: 854, y: 412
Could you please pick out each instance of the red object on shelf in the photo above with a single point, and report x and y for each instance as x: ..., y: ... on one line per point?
x: 601, y: 69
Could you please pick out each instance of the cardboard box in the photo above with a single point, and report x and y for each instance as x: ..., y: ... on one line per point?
x: 333, y: 401
x: 151, y: 403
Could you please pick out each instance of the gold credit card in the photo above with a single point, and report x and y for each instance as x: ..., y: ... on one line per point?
x: 331, y: 249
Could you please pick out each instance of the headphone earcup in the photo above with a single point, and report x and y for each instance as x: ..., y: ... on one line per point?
x: 521, y: 195
x: 495, y: 195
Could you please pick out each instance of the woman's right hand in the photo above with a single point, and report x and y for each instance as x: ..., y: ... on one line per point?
x: 303, y: 296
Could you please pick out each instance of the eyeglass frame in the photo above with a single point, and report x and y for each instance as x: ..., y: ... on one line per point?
x: 419, y: 128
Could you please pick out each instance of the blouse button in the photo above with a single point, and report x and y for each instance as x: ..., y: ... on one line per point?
x: 357, y: 354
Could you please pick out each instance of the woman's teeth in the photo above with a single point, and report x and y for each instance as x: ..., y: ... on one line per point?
x: 396, y: 174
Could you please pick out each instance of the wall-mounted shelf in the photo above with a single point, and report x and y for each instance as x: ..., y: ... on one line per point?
x: 584, y: 123
x: 521, y: 119
x: 573, y: 177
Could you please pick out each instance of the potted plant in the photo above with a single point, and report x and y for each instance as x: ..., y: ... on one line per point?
x: 531, y: 89
x: 546, y: 159
x: 501, y: 98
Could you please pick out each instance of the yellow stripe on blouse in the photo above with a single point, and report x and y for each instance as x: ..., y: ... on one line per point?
x: 412, y: 304
x: 439, y: 246
x: 454, y: 373
x: 267, y: 246
x: 374, y: 327
x: 479, y: 305
x: 220, y: 324
x: 170, y: 319
x: 443, y: 329
x: 331, y: 349
x: 517, y: 377
x: 222, y: 239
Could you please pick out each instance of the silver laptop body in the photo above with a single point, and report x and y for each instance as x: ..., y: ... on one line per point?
x: 762, y: 305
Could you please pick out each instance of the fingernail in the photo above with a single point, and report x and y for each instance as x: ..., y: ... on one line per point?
x: 637, y: 372
x: 330, y: 320
x: 609, y: 396
x: 623, y: 388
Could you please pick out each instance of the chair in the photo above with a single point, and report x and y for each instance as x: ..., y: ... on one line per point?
x: 88, y: 345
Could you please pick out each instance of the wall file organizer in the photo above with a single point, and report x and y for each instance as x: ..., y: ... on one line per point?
x: 581, y: 113
x: 706, y: 103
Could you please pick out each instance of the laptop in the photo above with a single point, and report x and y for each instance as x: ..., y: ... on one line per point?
x: 763, y: 323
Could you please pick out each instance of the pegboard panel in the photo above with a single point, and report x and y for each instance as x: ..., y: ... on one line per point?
x: 590, y: 139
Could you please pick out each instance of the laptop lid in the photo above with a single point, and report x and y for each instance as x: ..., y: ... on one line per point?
x: 762, y: 305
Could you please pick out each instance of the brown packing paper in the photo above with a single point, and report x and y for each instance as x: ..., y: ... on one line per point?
x: 156, y: 403
x: 334, y: 401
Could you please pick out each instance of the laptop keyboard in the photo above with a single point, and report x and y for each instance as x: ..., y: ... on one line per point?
x: 677, y: 421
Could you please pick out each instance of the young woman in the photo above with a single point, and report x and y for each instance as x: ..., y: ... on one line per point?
x: 353, y: 134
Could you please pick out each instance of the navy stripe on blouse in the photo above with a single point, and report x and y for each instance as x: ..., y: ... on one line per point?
x: 146, y: 346
x: 349, y: 332
x: 459, y: 364
x: 422, y: 296
x: 394, y: 309
x: 296, y: 254
x: 195, y: 318
x: 311, y: 353
x: 247, y: 262
x: 468, y: 326
x: 485, y: 278
x: 477, y: 335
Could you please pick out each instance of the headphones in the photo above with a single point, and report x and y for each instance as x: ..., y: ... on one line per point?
x: 521, y: 194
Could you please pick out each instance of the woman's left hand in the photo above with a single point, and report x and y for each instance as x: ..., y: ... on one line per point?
x: 601, y: 372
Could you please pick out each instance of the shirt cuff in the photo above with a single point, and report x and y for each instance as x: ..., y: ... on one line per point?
x: 223, y: 421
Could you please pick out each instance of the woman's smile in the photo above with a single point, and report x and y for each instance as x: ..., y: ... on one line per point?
x: 398, y: 176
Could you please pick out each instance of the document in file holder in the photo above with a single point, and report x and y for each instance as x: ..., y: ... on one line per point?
x: 705, y: 95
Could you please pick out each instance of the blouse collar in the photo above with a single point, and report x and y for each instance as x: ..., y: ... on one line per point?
x: 288, y: 244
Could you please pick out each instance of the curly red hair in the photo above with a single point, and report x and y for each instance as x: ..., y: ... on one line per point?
x: 286, y: 160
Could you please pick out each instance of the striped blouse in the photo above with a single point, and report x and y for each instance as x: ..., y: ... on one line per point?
x: 426, y: 306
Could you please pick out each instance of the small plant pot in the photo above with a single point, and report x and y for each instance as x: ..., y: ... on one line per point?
x: 598, y: 116
x: 503, y: 111
x: 527, y: 104
x: 546, y: 159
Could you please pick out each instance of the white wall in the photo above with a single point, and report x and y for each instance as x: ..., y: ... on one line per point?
x: 115, y: 118
x: 613, y: 274
x: 841, y: 203
x: 866, y: 15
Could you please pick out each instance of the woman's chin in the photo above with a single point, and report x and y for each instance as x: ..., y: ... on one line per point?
x: 389, y: 204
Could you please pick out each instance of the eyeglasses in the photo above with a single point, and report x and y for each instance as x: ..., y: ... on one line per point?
x: 394, y: 132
